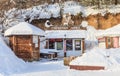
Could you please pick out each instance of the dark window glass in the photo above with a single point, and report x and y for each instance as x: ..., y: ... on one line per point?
x: 69, y: 44
x: 51, y: 45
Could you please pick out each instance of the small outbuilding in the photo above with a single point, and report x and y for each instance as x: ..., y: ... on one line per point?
x: 24, y: 40
x: 109, y: 38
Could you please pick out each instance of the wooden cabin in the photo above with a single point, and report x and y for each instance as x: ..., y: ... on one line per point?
x: 109, y: 38
x: 24, y: 40
x: 71, y: 42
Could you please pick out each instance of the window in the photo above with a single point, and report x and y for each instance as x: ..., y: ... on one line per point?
x: 51, y: 44
x: 69, y: 44
x: 77, y: 45
x: 60, y: 45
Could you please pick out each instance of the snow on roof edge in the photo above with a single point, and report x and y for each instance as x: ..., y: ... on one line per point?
x: 65, y: 34
x: 24, y: 28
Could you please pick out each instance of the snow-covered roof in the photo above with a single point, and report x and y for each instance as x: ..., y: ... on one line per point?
x: 24, y: 28
x: 65, y: 34
x: 113, y: 31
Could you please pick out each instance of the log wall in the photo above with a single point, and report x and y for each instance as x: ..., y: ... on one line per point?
x: 24, y: 47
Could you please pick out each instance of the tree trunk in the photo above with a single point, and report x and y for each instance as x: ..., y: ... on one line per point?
x: 116, y: 1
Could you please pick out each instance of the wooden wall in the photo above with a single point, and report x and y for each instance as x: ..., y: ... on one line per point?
x: 24, y: 47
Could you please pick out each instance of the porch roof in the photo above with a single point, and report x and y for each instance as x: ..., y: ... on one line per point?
x: 24, y: 28
x: 113, y: 31
x: 65, y: 34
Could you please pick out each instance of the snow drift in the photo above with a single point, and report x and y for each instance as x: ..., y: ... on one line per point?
x: 9, y: 63
x: 109, y: 58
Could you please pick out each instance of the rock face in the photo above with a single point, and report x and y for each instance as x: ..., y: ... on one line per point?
x: 98, y: 21
x: 103, y: 22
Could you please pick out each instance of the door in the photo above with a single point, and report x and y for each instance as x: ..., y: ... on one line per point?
x: 59, y: 47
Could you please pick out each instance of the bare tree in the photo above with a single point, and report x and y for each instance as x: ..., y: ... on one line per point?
x: 5, y: 5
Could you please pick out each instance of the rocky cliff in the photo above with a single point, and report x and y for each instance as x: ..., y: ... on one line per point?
x: 98, y: 21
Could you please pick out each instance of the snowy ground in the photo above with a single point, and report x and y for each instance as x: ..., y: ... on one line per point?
x: 56, y: 68
x: 10, y: 67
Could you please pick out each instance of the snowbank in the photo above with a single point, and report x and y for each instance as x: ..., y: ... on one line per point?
x: 109, y: 58
x: 9, y: 63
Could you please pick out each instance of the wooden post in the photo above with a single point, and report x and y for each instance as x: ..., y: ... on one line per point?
x: 47, y: 44
x: 106, y: 42
x: 64, y: 47
x: 14, y: 43
x: 83, y: 45
x: 38, y: 47
x: 32, y: 46
x: 111, y: 40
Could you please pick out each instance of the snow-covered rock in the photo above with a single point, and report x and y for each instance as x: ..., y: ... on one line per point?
x: 84, y: 23
x: 72, y: 7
